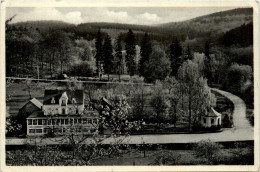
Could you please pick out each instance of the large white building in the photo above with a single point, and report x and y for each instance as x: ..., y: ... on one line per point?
x: 62, y: 111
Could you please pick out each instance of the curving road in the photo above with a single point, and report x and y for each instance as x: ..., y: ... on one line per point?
x: 242, y: 131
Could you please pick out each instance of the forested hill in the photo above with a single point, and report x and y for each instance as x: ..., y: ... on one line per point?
x: 211, y: 24
x: 204, y: 26
x: 43, y: 25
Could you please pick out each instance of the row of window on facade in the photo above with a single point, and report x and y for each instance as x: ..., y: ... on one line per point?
x: 62, y: 121
x: 61, y: 130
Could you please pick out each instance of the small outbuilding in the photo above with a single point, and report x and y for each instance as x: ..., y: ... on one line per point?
x: 212, y: 118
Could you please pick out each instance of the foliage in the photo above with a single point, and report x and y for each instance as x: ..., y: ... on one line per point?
x: 99, y: 53
x: 108, y: 56
x: 13, y: 127
x: 208, y: 150
x: 158, y: 102
x: 237, y: 75
x: 175, y: 53
x: 196, y: 97
x: 158, y: 67
x: 242, y: 35
x: 119, y: 57
x: 164, y: 157
x: 146, y: 49
x: 81, y: 69
x: 130, y: 52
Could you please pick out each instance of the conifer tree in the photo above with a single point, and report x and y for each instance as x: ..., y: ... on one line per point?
x: 108, y: 56
x: 146, y: 49
x: 130, y: 52
x: 207, y: 69
x: 119, y: 55
x: 189, y: 55
x: 175, y: 53
x: 99, y: 54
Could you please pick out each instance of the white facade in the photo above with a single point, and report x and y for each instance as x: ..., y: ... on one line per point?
x: 208, y: 121
x: 213, y: 118
x: 63, y: 107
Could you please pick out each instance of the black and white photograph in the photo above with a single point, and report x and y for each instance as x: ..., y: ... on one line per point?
x: 130, y: 86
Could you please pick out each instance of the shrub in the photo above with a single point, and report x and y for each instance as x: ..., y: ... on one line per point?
x: 208, y: 150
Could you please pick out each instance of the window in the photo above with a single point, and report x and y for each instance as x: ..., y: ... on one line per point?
x: 66, y: 121
x: 71, y: 121
x: 79, y: 121
x: 77, y: 111
x: 38, y: 130
x: 63, y: 111
x: 84, y: 121
x: 58, y: 121
x: 62, y: 121
x: 53, y: 122
x: 31, y: 130
x: 63, y: 102
x: 35, y: 122
x: 52, y: 100
x: 74, y: 100
x: 29, y: 122
x: 89, y: 121
x: 75, y: 121
x: 49, y: 122
x: 39, y: 122
x: 204, y: 119
x: 44, y: 122
x: 212, y: 121
x: 94, y: 121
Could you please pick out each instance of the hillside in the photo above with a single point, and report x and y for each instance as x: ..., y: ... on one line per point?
x: 204, y: 27
x: 211, y: 24
x: 43, y: 25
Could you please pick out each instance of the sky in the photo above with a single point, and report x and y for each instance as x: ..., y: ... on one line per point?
x: 129, y: 15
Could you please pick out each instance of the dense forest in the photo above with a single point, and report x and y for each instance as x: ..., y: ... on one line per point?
x: 222, y: 41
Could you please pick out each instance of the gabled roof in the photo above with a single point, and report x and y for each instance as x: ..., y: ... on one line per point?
x: 36, y: 103
x: 56, y: 94
x: 213, y: 113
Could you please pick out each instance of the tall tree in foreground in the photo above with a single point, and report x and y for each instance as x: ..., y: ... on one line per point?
x: 146, y: 49
x: 119, y: 56
x: 130, y: 52
x: 175, y: 53
x: 108, y: 56
x: 99, y: 53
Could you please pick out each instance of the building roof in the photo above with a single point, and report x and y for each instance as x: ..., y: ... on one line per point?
x: 37, y: 114
x: 40, y: 114
x: 213, y: 113
x: 56, y: 94
x: 36, y: 103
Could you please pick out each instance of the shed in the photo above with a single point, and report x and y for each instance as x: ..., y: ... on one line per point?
x: 211, y: 118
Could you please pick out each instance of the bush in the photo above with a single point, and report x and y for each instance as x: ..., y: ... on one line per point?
x: 208, y: 150
x: 237, y: 76
x: 82, y: 69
